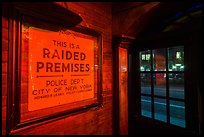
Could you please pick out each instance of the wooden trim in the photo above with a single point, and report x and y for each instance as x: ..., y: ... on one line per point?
x: 122, y: 41
x: 10, y: 80
x: 115, y: 114
x: 100, y: 86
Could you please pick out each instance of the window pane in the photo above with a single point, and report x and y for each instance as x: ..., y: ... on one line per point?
x: 160, y: 109
x: 159, y: 60
x: 160, y: 84
x: 145, y: 60
x: 176, y: 85
x: 177, y: 113
x: 176, y: 59
x: 145, y: 83
x: 146, y: 105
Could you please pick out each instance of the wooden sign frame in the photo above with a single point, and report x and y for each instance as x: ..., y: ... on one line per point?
x: 33, y: 15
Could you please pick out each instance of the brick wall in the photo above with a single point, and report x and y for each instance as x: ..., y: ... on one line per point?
x: 4, y: 70
x: 97, y: 16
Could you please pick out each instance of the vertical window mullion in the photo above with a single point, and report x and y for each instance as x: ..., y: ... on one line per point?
x: 152, y: 84
x: 167, y: 87
x: 172, y: 104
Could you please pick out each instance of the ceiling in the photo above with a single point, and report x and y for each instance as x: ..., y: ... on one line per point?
x: 136, y: 18
x: 122, y: 6
x: 129, y: 18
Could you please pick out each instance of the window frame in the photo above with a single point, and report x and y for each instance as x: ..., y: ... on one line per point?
x: 164, y: 40
x: 167, y: 97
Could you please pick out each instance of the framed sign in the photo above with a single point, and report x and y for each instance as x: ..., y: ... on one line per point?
x: 59, y: 70
x: 61, y: 67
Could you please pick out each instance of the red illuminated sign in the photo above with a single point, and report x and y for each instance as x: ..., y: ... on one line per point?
x: 61, y: 67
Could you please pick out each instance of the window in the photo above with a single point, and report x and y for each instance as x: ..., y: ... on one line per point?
x: 162, y: 85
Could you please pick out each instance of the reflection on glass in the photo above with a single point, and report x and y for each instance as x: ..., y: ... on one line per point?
x: 177, y: 113
x: 159, y: 60
x: 176, y: 59
x: 146, y: 106
x: 145, y: 60
x: 160, y: 109
x: 145, y: 83
x: 159, y: 84
x: 176, y: 85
